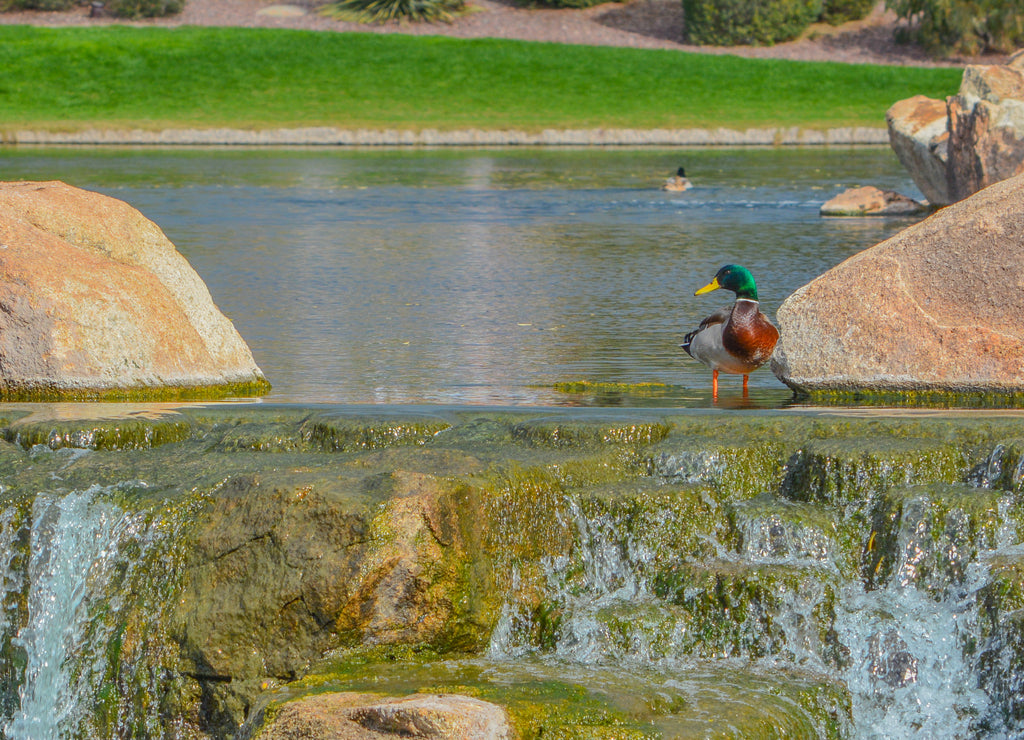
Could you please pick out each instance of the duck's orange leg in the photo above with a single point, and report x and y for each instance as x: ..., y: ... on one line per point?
x: 714, y: 384
x: 746, y: 378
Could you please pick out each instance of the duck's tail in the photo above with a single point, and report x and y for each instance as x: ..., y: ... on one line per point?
x: 686, y: 341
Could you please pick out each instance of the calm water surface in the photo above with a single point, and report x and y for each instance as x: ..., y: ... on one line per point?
x: 484, y: 276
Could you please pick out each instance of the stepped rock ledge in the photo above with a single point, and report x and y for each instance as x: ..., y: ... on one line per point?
x: 938, y: 307
x: 96, y: 301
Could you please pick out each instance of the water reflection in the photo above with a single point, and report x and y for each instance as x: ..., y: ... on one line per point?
x: 484, y: 276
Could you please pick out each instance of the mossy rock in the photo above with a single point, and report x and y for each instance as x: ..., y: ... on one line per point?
x: 1000, y: 654
x: 753, y: 611
x: 1002, y: 468
x: 133, y: 432
x: 344, y: 433
x: 775, y: 530
x: 265, y: 437
x: 414, y: 531
x: 736, y: 472
x: 583, y: 434
x: 850, y: 473
x: 927, y: 535
x: 548, y: 700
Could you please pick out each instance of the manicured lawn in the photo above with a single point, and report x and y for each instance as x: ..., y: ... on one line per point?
x: 260, y: 78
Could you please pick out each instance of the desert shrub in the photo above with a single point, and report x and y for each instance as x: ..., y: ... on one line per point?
x: 119, y: 8
x: 562, y: 3
x: 37, y: 4
x: 378, y: 11
x: 144, y: 8
x: 962, y: 26
x: 835, y: 12
x: 732, y: 22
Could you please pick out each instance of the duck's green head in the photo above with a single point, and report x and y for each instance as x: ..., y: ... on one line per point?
x: 735, y: 278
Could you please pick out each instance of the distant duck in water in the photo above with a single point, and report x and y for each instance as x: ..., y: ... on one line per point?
x: 678, y: 182
x: 735, y: 339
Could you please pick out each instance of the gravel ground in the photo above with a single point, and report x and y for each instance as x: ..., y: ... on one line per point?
x: 649, y: 24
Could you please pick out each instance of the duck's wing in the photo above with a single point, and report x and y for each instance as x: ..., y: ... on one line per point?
x: 718, y: 317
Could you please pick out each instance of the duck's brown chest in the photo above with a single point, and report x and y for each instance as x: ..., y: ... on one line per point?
x: 749, y: 335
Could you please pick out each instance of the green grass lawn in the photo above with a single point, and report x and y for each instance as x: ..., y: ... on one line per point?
x: 68, y: 78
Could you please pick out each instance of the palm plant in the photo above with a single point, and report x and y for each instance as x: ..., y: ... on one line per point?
x: 380, y: 11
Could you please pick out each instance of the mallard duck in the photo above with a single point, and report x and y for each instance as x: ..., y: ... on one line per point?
x: 678, y: 182
x: 735, y: 339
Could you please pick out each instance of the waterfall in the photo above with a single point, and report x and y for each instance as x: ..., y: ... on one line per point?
x: 76, y: 569
x: 910, y: 649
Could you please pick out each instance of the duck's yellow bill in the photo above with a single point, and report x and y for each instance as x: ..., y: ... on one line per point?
x: 713, y: 285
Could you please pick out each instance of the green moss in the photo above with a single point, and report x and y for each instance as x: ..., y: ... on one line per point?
x: 590, y: 393
x: 527, y: 514
x: 588, y: 386
x: 103, y: 434
x: 932, y: 399
x: 735, y: 609
x: 252, y: 389
x: 850, y: 473
x: 577, y: 434
x: 348, y: 434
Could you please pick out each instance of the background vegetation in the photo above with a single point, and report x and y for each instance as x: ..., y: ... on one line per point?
x: 963, y: 26
x: 731, y: 22
x: 62, y: 78
x: 116, y: 8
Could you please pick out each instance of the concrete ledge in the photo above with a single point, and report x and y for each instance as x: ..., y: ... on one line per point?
x: 325, y: 136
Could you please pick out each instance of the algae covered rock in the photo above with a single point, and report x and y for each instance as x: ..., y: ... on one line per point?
x: 638, y: 575
x: 280, y: 573
x: 98, y: 302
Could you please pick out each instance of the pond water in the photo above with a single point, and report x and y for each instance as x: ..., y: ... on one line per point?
x: 485, y: 276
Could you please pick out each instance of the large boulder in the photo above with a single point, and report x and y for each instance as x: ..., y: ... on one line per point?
x: 95, y: 300
x: 986, y: 127
x: 918, y: 135
x: 958, y: 146
x: 939, y: 306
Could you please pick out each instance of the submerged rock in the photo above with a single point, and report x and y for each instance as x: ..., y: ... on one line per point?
x: 937, y: 307
x: 351, y: 716
x: 871, y: 201
x: 97, y: 301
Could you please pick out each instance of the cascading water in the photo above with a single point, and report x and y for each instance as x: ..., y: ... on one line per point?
x: 909, y: 648
x: 82, y: 553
